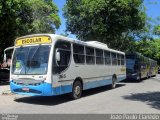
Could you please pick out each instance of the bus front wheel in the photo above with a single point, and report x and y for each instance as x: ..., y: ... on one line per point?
x: 76, y: 90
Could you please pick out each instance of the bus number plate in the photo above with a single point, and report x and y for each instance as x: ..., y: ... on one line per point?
x: 25, y: 89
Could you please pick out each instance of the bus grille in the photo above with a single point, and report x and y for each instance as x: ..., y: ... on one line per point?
x: 30, y: 91
x: 25, y: 82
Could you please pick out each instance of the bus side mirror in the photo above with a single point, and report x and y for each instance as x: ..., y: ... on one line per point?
x: 5, y: 58
x: 58, y: 56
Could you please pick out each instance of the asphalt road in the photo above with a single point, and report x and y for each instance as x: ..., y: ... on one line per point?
x: 128, y: 97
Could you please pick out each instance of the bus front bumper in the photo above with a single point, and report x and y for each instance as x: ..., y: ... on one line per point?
x: 43, y: 89
x: 132, y: 76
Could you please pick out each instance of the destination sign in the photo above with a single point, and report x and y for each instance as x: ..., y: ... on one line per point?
x: 33, y: 40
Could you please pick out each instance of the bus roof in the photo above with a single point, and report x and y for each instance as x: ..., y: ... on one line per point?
x: 95, y: 44
x: 137, y: 54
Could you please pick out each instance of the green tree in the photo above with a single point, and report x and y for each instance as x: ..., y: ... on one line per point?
x: 156, y: 30
x: 44, y: 15
x: 22, y: 17
x: 149, y: 48
x: 114, y: 22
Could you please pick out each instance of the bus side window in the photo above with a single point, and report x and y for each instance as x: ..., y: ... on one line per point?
x: 99, y: 56
x: 78, y: 54
x: 64, y: 48
x: 107, y: 56
x: 114, y: 58
x: 122, y: 60
x: 119, y: 59
x: 90, y: 58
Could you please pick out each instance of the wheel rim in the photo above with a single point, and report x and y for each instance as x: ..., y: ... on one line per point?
x: 77, y: 90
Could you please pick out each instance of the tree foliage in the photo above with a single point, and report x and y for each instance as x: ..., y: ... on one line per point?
x: 44, y: 15
x: 22, y: 17
x: 149, y: 48
x: 114, y: 22
x: 157, y: 30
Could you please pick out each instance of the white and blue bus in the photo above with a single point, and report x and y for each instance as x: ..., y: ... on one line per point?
x: 49, y: 64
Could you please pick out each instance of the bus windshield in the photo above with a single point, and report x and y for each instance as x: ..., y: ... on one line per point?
x: 130, y: 64
x: 31, y: 60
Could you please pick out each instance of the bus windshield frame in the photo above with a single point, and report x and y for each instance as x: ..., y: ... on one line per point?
x: 31, y: 60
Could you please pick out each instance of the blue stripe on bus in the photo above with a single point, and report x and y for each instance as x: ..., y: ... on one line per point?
x: 94, y: 84
x: 46, y: 89
x: 98, y: 83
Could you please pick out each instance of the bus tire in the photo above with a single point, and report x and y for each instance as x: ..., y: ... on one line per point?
x: 76, y: 90
x: 114, y: 81
x: 139, y: 79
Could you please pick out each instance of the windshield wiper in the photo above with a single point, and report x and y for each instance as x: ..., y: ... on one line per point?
x: 30, y: 60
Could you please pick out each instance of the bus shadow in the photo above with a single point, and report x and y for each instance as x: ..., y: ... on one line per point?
x: 152, y: 98
x: 56, y: 100
x: 136, y: 81
x: 133, y: 81
x: 130, y: 81
x: 44, y: 100
x: 100, y: 89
